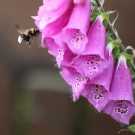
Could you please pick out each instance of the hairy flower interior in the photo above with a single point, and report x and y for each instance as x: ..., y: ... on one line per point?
x: 78, y: 82
x: 121, y: 107
x: 97, y: 92
x: 77, y: 39
x: 92, y: 62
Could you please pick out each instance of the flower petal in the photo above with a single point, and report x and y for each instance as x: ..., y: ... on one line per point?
x: 75, y: 80
x: 97, y: 39
x: 90, y: 65
x: 97, y: 95
x: 121, y: 110
x: 51, y: 17
x: 75, y: 33
x: 121, y: 106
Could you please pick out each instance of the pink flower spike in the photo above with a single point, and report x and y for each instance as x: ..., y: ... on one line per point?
x: 97, y: 39
x: 75, y: 33
x: 75, y: 80
x: 121, y: 106
x: 97, y: 95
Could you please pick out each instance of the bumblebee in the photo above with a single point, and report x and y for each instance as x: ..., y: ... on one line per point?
x: 26, y: 34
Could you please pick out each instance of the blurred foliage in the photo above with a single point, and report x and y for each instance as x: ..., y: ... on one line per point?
x: 23, y: 101
x: 132, y: 128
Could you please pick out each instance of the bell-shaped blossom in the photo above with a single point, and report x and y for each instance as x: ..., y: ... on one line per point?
x: 98, y: 90
x: 75, y: 80
x: 75, y: 33
x: 97, y: 38
x: 121, y: 105
x: 53, y: 15
x: 90, y: 65
x: 97, y: 95
x: 105, y: 78
x: 61, y: 52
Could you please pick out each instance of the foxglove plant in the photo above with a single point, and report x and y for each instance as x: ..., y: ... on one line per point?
x: 86, y: 47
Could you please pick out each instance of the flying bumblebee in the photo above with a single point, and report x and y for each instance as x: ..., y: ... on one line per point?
x: 25, y: 35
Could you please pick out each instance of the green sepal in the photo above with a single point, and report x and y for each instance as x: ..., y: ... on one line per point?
x: 129, y: 58
x: 94, y: 16
x: 109, y: 39
x: 106, y: 18
x: 116, y: 50
x: 131, y: 128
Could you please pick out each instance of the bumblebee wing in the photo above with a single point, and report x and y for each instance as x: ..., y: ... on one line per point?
x: 19, y: 28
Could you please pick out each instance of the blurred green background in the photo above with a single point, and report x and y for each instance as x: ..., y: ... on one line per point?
x: 34, y: 99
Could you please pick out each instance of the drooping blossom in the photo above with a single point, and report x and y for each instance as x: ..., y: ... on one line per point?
x: 98, y: 90
x: 90, y: 65
x: 75, y: 33
x: 121, y: 105
x: 97, y: 95
x: 60, y: 51
x: 53, y: 15
x: 97, y: 38
x: 76, y: 80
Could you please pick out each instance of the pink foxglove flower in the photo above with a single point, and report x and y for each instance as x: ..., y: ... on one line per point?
x: 90, y: 65
x: 97, y: 38
x: 53, y: 15
x: 98, y: 91
x: 121, y: 106
x: 75, y: 33
x: 61, y: 52
x: 75, y: 80
x: 97, y: 95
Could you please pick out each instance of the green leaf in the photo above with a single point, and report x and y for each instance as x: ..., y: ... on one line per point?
x: 132, y: 128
